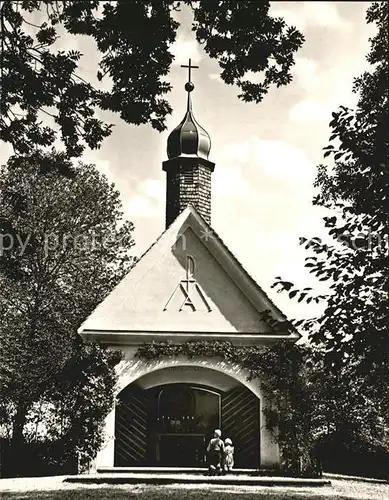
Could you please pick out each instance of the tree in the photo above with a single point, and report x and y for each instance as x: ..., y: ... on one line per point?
x: 38, y: 81
x: 67, y: 249
x: 69, y: 416
x: 352, y: 334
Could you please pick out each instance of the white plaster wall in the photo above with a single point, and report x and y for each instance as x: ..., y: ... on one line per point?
x: 148, y: 298
x: 187, y: 375
x: 130, y: 369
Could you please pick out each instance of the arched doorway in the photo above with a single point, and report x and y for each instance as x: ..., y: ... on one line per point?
x: 186, y: 416
x: 170, y: 424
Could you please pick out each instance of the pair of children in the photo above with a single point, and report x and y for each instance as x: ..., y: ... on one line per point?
x: 220, y: 454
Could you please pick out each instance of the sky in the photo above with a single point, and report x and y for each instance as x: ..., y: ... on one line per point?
x: 266, y: 154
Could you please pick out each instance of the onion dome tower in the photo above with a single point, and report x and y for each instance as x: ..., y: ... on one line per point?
x: 188, y: 179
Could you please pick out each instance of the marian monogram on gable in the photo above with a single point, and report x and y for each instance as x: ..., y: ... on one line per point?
x: 189, y: 289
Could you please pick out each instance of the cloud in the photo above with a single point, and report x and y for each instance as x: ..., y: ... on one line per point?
x: 268, y: 183
x: 228, y: 180
x: 311, y: 110
x: 289, y: 13
x: 216, y: 77
x: 306, y: 72
x: 254, y: 77
x: 182, y: 49
x: 324, y: 14
x: 284, y: 161
x: 262, y: 192
x: 309, y: 14
x: 104, y: 167
x: 147, y: 201
x: 274, y: 159
x: 154, y: 189
x: 140, y: 206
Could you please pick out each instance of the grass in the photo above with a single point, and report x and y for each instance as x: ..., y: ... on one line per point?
x: 156, y: 493
x: 340, y: 490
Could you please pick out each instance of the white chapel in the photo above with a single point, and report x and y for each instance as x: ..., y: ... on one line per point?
x: 187, y: 286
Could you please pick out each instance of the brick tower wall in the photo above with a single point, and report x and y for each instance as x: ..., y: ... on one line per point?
x: 188, y: 184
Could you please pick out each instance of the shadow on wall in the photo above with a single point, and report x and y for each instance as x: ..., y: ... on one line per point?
x: 215, y: 284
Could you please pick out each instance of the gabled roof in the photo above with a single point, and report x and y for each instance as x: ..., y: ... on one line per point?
x: 191, y: 220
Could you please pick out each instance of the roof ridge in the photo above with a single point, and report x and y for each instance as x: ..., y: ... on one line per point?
x: 252, y: 290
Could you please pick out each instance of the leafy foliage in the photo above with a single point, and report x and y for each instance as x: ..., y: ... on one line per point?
x: 73, y: 410
x: 62, y: 251
x: 308, y: 403
x: 243, y: 37
x: 283, y: 377
x: 38, y: 81
x: 353, y: 332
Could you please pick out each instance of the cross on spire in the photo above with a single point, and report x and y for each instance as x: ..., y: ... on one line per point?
x: 190, y: 67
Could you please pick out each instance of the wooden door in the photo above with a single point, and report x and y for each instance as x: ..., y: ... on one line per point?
x: 131, y: 428
x: 240, y: 422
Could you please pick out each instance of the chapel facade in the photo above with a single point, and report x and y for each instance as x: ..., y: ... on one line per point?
x: 187, y: 286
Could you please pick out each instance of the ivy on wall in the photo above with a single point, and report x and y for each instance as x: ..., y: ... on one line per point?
x: 281, y: 368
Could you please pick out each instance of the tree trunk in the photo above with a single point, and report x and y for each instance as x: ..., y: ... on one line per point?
x: 17, y: 441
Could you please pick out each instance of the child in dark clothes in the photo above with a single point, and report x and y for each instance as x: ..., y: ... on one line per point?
x: 215, y: 452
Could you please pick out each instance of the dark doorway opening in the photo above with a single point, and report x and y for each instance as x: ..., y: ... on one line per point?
x: 170, y: 425
x: 181, y: 450
x: 186, y: 416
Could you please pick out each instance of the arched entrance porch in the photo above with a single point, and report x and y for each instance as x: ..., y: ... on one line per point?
x: 166, y: 417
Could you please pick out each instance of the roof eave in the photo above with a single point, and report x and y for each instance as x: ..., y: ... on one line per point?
x: 126, y: 337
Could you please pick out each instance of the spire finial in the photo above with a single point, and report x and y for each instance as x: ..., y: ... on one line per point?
x: 189, y: 85
x: 189, y: 138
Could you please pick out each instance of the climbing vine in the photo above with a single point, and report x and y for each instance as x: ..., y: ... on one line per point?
x: 281, y: 369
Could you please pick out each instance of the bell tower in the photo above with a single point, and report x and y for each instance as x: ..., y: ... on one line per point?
x: 188, y: 170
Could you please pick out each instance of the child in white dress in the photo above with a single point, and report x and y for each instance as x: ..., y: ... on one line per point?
x: 228, y: 461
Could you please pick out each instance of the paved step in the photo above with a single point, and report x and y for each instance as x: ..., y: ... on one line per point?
x: 163, y: 478
x: 345, y: 477
x: 174, y: 470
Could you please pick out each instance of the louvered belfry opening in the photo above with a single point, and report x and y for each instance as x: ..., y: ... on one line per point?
x: 170, y: 425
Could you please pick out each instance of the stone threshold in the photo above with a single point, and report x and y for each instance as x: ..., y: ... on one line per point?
x: 177, y: 470
x: 192, y: 478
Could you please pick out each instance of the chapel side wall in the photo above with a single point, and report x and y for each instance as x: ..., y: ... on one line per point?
x: 130, y: 369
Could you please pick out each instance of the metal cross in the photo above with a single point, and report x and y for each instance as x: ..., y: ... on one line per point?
x: 189, y: 69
